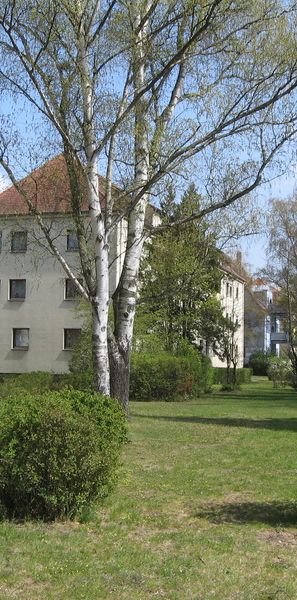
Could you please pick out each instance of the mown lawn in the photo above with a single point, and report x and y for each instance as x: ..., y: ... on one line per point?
x: 206, y: 509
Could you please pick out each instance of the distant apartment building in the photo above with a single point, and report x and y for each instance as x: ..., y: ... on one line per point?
x: 264, y: 319
x: 232, y: 301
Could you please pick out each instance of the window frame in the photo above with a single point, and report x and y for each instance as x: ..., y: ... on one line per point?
x: 19, y: 250
x: 14, y: 346
x: 16, y: 299
x: 65, y: 330
x: 76, y: 294
x: 71, y: 248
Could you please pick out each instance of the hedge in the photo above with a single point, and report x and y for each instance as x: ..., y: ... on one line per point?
x: 167, y: 377
x: 242, y: 375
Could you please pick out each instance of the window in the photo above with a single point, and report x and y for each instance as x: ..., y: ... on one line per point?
x: 227, y: 289
x: 237, y: 292
x: 19, y: 241
x: 70, y: 290
x: 70, y: 338
x: 230, y: 291
x: 72, y: 241
x: 0, y: 240
x: 20, y: 339
x: 17, y: 289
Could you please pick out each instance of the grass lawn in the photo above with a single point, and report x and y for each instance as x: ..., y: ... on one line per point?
x: 206, y: 509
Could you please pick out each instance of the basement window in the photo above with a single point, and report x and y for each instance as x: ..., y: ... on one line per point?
x: 20, y: 339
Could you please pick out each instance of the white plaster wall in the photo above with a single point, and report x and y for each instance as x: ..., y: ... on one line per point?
x: 234, y: 307
x: 44, y: 311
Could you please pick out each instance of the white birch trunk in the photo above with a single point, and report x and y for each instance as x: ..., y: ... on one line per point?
x: 126, y: 294
x: 100, y: 294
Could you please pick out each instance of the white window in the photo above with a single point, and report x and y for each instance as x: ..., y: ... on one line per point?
x: 72, y: 241
x: 20, y: 339
x: 17, y: 289
x: 70, y: 290
x: 237, y: 292
x: 19, y: 241
x: 70, y: 338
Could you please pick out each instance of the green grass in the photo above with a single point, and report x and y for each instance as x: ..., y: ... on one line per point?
x: 206, y: 509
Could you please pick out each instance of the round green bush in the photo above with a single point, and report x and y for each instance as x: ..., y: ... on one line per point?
x: 59, y: 452
x: 259, y: 362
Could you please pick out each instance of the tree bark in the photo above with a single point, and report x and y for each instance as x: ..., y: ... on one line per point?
x: 124, y: 299
x: 119, y: 362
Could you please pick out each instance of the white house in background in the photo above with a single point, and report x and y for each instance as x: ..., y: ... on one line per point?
x: 264, y: 319
x: 232, y: 301
x: 39, y: 320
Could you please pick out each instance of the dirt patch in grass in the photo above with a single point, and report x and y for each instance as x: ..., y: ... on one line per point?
x: 284, y: 539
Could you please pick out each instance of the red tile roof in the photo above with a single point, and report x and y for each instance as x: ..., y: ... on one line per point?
x: 228, y: 266
x: 48, y: 188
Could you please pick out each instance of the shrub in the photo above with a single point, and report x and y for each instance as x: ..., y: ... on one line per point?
x: 34, y: 383
x: 280, y: 371
x: 79, y: 381
x: 58, y: 452
x: 81, y: 359
x: 165, y: 377
x: 242, y: 376
x: 207, y: 373
x: 230, y: 387
x: 259, y: 362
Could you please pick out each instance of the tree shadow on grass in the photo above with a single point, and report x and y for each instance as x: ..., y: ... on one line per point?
x: 272, y: 424
x: 276, y: 514
x: 279, y: 395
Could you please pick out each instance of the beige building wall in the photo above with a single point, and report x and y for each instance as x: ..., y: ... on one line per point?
x: 44, y: 312
x: 232, y: 300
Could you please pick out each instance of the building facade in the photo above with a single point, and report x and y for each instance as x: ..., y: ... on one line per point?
x: 40, y: 318
x: 232, y: 301
x: 264, y: 320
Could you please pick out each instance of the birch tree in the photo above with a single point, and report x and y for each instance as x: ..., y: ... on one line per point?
x: 143, y: 90
x: 281, y: 269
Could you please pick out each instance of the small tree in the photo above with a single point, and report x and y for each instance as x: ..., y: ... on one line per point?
x: 226, y: 348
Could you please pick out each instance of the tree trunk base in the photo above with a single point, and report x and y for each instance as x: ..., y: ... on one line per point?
x: 119, y: 364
